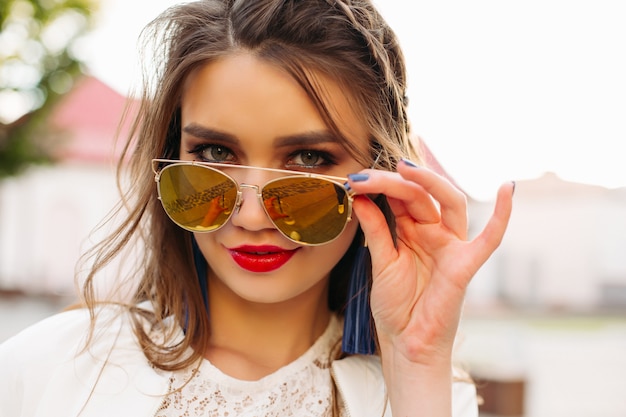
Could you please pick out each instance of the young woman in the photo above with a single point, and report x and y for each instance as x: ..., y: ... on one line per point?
x: 296, y: 259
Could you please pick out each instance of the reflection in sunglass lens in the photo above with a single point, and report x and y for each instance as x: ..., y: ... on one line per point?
x: 197, y: 198
x: 305, y: 209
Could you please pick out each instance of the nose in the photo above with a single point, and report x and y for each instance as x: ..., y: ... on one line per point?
x: 249, y: 213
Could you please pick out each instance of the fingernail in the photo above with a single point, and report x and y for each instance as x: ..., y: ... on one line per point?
x: 410, y: 163
x: 346, y: 185
x: 358, y: 177
x: 513, y: 192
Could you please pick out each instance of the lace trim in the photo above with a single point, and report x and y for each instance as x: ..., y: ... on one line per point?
x: 301, y: 388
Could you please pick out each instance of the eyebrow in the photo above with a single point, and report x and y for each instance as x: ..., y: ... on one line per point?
x: 306, y: 138
x: 298, y: 139
x: 206, y: 133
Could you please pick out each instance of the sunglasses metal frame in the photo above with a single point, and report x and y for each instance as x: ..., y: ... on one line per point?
x: 159, y: 164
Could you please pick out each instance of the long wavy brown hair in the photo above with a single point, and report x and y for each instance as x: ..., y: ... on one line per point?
x: 345, y: 40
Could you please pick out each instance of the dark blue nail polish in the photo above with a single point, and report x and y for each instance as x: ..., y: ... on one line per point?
x: 359, y: 177
x: 347, y: 186
x: 410, y: 163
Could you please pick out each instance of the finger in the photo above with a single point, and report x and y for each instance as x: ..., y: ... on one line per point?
x: 490, y: 238
x: 452, y: 201
x: 410, y: 198
x: 376, y: 229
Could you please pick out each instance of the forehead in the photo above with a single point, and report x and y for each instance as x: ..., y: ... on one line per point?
x: 244, y: 87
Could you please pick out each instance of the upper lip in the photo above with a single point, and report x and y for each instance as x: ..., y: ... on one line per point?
x: 260, y: 249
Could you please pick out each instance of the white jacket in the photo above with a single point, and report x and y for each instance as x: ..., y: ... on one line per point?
x: 44, y: 373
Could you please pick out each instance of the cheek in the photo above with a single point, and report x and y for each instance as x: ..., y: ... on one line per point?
x: 207, y: 244
x: 337, y: 249
x: 316, y: 263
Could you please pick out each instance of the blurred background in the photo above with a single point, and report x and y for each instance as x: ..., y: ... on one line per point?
x: 499, y: 90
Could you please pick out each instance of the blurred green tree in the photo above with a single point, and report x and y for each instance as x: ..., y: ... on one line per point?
x: 39, y: 62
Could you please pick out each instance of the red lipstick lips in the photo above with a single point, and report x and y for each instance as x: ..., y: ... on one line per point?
x: 261, y: 258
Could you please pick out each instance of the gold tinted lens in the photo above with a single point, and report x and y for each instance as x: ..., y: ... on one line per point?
x: 197, y: 198
x: 307, y: 210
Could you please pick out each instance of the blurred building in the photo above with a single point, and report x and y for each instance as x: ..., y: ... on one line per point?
x: 564, y: 249
x: 48, y: 213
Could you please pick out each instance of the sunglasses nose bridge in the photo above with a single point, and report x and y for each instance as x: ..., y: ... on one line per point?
x: 242, y: 187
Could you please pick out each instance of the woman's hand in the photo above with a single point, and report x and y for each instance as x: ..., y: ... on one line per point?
x: 420, y: 283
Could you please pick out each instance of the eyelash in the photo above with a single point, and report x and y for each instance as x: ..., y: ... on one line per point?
x: 327, y: 159
x: 198, y: 151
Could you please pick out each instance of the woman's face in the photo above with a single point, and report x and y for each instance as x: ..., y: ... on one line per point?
x: 242, y: 110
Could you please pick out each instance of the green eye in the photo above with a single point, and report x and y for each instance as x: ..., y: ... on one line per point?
x: 216, y: 153
x: 310, y: 159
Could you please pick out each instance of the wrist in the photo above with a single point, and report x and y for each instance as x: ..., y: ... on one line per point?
x: 415, y: 353
x: 418, y: 388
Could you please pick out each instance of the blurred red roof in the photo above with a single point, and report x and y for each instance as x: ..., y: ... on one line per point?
x: 89, y: 116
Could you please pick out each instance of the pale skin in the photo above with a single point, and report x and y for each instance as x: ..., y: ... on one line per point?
x: 267, y: 321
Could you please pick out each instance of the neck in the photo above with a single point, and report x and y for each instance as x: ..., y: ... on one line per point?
x: 251, y: 340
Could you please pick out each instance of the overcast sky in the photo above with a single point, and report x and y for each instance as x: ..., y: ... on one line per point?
x: 500, y: 90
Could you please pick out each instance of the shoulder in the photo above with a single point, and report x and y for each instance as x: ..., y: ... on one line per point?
x: 360, y: 376
x: 49, y: 366
x: 56, y: 340
x: 61, y: 333
x: 30, y: 359
x: 55, y: 333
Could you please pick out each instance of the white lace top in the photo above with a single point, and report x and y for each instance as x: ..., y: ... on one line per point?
x: 302, y: 388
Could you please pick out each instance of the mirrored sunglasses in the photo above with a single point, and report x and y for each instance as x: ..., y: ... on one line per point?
x: 308, y: 209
